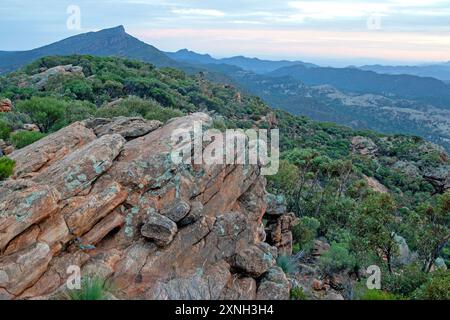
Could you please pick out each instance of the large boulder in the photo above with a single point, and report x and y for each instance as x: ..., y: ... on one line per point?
x: 274, y: 285
x: 40, y: 80
x: 104, y: 195
x: 5, y: 105
x: 364, y: 146
x: 160, y: 229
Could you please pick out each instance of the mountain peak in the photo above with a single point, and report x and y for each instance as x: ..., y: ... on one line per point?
x: 118, y: 29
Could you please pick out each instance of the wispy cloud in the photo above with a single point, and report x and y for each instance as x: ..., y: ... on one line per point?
x: 410, y: 29
x: 199, y: 12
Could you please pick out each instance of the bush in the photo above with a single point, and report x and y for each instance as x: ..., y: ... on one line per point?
x: 21, y: 139
x: 5, y: 129
x: 45, y: 112
x: 92, y: 288
x: 163, y: 114
x: 338, y: 258
x: 437, y: 288
x: 297, y: 293
x: 285, y: 263
x: 305, y: 232
x: 79, y: 89
x: 378, y: 295
x: 405, y: 283
x: 6, y: 168
x: 77, y: 111
x: 134, y: 106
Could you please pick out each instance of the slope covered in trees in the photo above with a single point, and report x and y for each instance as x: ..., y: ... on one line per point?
x: 364, y: 193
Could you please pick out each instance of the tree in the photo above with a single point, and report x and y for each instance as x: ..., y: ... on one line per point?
x: 374, y: 226
x: 429, y: 228
x: 44, y: 112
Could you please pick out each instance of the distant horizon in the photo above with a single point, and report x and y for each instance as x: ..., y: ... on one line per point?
x: 321, y: 61
x: 325, y: 32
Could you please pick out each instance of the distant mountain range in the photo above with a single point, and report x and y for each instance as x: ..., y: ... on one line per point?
x: 439, y: 71
x: 249, y: 64
x: 426, y: 89
x: 361, y: 98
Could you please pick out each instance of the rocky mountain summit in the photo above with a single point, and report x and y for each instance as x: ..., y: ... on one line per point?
x: 104, y: 195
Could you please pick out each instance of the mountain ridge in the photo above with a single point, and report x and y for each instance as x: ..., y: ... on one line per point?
x: 107, y: 42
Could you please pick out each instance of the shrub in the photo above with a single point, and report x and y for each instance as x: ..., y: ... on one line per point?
x: 15, y: 120
x: 379, y: 295
x: 77, y: 111
x: 336, y: 259
x: 297, y: 293
x: 22, y: 139
x: 134, y: 106
x: 163, y: 114
x: 405, y: 283
x: 305, y: 232
x: 5, y: 129
x: 79, y: 89
x: 92, y: 288
x: 6, y: 168
x: 437, y: 288
x: 285, y: 263
x: 45, y: 112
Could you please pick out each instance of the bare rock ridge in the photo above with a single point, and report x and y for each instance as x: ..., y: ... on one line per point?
x: 104, y: 195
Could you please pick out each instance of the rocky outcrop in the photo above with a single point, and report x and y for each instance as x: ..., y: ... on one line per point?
x: 5, y: 105
x: 364, y: 146
x: 104, y: 195
x: 279, y: 224
x: 40, y: 80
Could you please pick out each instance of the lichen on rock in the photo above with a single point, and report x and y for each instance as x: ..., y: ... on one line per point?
x: 104, y: 195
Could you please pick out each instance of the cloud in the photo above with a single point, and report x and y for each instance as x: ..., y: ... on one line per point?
x: 332, y: 9
x: 399, y: 46
x: 199, y: 12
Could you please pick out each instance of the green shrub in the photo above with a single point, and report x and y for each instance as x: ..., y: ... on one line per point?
x: 437, y: 288
x: 77, y: 111
x: 338, y: 258
x: 5, y: 129
x: 297, y: 293
x: 134, y: 106
x: 163, y: 114
x: 22, y: 139
x: 79, y: 89
x: 405, y: 282
x: 305, y: 232
x: 285, y: 263
x: 6, y: 167
x: 46, y: 112
x: 379, y: 295
x: 92, y: 288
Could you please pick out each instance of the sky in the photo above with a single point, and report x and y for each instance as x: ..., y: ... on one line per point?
x: 338, y: 33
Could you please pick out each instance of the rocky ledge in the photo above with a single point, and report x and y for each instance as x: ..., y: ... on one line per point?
x: 104, y: 195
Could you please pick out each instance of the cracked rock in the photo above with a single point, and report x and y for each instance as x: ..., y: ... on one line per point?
x: 160, y: 229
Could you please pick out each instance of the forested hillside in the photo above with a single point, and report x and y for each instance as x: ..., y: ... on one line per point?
x: 375, y: 199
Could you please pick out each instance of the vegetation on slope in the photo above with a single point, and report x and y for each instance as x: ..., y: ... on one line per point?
x: 324, y: 178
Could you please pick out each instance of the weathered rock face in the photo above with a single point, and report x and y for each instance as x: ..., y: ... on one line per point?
x: 40, y: 80
x: 104, y: 195
x: 364, y: 146
x: 279, y: 224
x: 5, y: 105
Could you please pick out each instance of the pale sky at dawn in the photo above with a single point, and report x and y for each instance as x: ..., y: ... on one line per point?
x: 328, y: 32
